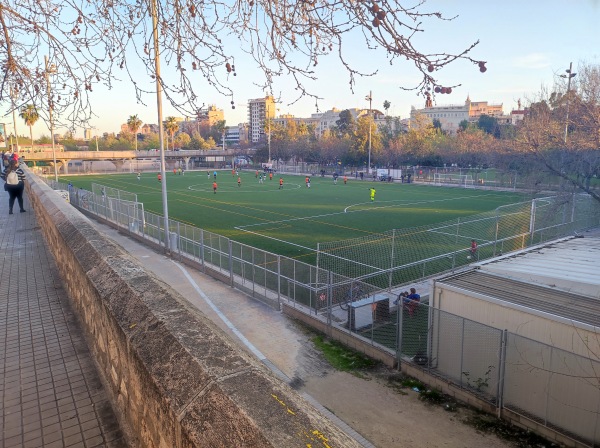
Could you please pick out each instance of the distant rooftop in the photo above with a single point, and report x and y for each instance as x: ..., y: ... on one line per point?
x: 569, y: 264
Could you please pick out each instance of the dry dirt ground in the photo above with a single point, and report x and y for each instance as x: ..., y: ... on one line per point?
x: 387, y: 416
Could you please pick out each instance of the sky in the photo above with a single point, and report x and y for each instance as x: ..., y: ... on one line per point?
x: 525, y: 44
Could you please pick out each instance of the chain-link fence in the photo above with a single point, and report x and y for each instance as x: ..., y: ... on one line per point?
x: 401, y: 256
x: 558, y: 389
x: 555, y: 388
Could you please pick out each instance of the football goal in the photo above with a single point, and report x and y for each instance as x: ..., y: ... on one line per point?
x: 459, y: 180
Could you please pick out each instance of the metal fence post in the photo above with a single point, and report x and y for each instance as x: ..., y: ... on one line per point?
x: 399, y: 335
x: 279, y: 282
x: 496, y: 236
x: 501, y: 372
x: 230, y: 261
x: 462, y: 350
x: 532, y: 222
x: 202, y: 250
x: 392, y: 259
x: 329, y: 298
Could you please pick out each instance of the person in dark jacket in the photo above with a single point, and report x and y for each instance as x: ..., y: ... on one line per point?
x: 14, y: 187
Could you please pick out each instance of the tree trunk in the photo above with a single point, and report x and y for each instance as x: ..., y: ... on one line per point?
x: 31, y: 135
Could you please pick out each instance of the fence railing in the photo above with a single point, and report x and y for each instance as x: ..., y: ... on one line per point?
x: 537, y: 381
x: 401, y: 256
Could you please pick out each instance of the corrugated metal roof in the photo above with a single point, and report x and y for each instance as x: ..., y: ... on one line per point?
x: 538, y: 297
x: 571, y: 265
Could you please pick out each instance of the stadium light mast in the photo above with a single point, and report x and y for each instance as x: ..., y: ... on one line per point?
x: 369, y: 98
x: 154, y: 12
x: 13, y: 96
x: 269, y: 131
x: 50, y: 69
x: 569, y: 75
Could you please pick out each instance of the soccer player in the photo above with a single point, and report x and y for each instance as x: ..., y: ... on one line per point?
x: 372, y: 190
x: 159, y: 177
x: 256, y: 174
x: 139, y: 176
x: 472, y: 250
x: 271, y: 175
x: 239, y: 181
x: 260, y: 178
x: 215, y: 187
x: 306, y: 181
x: 345, y: 179
x: 215, y: 175
x: 280, y: 183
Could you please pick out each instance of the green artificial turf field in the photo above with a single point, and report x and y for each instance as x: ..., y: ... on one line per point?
x: 292, y: 220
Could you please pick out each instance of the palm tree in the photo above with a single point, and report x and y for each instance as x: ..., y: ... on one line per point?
x: 30, y: 115
x: 171, y: 126
x: 386, y: 106
x: 134, y: 124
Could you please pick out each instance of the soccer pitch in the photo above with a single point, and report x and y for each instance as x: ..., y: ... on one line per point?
x: 292, y: 220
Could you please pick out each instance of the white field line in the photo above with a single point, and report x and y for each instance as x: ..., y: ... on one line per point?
x: 459, y: 236
x: 310, y: 249
x: 396, y: 204
x: 243, y: 189
x: 475, y: 220
x: 412, y: 203
x: 375, y: 268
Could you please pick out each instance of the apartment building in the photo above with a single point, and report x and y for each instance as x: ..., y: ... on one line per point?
x: 259, y: 111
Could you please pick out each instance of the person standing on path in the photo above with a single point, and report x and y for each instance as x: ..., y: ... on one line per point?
x: 14, y: 177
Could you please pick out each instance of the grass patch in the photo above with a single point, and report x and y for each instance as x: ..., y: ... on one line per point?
x: 342, y: 357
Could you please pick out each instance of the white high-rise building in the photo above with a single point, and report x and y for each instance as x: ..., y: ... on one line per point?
x: 259, y: 110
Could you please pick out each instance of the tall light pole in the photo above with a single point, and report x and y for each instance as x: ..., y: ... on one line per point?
x: 269, y: 131
x: 369, y: 98
x: 154, y: 12
x: 569, y: 75
x: 13, y: 95
x: 49, y: 70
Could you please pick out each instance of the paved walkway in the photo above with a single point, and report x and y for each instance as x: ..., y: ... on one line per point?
x: 51, y: 395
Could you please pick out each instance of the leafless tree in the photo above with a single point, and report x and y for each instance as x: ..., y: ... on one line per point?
x: 92, y: 42
x: 574, y: 156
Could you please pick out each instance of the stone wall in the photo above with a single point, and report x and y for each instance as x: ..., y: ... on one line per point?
x: 175, y: 379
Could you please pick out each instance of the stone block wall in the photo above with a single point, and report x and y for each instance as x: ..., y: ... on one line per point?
x: 175, y: 379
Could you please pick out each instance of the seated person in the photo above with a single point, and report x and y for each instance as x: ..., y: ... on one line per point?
x: 411, y: 301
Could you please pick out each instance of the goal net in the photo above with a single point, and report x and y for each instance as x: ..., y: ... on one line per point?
x: 459, y: 180
x: 104, y: 191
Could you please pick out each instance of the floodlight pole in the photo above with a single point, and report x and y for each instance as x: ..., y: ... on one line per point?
x: 569, y: 75
x: 13, y: 95
x: 50, y: 69
x: 154, y: 12
x: 370, y: 100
